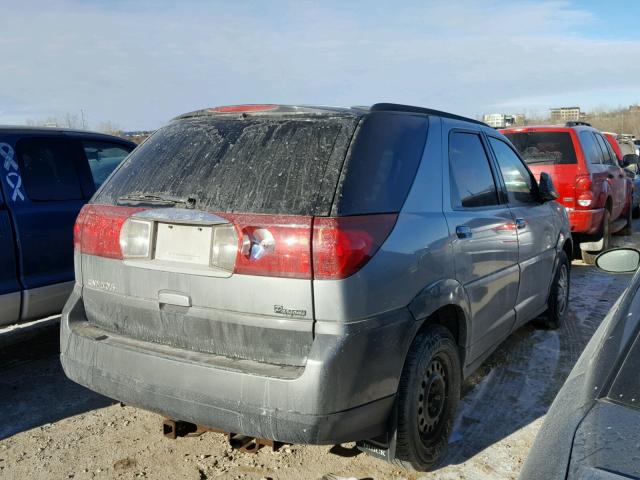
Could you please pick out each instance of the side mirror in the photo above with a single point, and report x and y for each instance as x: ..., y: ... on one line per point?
x: 619, y: 260
x: 630, y: 159
x: 548, y: 192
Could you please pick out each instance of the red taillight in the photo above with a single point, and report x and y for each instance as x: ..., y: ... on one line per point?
x: 97, y: 229
x: 584, y: 193
x: 290, y: 246
x: 342, y: 245
x: 243, y: 108
x: 267, y: 245
x: 273, y: 245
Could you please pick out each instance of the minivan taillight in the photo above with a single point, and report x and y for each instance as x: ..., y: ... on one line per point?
x: 267, y: 245
x: 273, y: 245
x: 343, y: 245
x: 97, y: 229
x: 322, y: 248
x: 584, y: 193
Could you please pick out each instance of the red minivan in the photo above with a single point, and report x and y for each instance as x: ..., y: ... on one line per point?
x: 585, y: 170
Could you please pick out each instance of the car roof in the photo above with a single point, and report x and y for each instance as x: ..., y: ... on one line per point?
x: 22, y: 129
x: 266, y: 109
x: 549, y: 128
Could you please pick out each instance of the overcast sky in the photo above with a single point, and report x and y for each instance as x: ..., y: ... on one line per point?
x: 137, y: 64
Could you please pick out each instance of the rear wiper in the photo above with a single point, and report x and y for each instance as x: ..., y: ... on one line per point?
x: 148, y: 199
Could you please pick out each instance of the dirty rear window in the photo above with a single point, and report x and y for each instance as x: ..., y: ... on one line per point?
x: 555, y: 148
x: 271, y: 165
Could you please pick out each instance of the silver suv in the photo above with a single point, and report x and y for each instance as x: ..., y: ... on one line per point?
x: 311, y: 274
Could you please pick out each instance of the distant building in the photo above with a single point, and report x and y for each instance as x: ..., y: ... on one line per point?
x: 567, y: 114
x: 503, y: 120
x: 634, y: 108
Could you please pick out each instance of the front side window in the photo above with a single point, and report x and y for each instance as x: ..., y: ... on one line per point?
x: 103, y: 158
x: 48, y: 169
x: 472, y: 183
x: 515, y: 175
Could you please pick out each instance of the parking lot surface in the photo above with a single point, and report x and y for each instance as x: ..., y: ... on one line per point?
x: 53, y: 428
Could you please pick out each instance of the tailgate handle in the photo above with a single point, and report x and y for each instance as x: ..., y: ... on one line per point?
x: 174, y: 298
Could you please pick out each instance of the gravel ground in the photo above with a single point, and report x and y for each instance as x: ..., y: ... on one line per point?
x: 54, y: 428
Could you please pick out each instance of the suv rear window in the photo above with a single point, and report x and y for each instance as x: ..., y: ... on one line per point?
x: 271, y: 165
x: 544, y: 147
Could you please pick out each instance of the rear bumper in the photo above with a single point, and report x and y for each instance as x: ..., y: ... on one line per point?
x: 344, y: 393
x: 587, y: 222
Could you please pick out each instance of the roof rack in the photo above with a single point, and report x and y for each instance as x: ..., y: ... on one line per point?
x: 395, y: 107
x: 577, y: 124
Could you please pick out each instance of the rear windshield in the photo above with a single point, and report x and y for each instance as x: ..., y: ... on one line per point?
x: 544, y: 147
x: 265, y: 165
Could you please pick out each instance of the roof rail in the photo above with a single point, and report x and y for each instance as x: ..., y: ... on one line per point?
x: 577, y: 124
x: 396, y: 107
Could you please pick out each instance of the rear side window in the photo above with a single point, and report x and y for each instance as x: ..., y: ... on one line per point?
x: 262, y: 164
x: 516, y: 176
x: 384, y: 159
x: 554, y: 148
x: 103, y: 158
x: 591, y: 150
x: 472, y: 183
x: 48, y: 169
x: 608, y: 156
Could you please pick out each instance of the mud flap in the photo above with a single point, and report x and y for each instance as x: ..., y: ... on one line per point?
x: 382, y: 446
x: 592, y: 246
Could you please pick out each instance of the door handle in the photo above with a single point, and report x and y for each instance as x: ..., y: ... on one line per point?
x: 620, y: 176
x: 463, y: 231
x: 521, y: 223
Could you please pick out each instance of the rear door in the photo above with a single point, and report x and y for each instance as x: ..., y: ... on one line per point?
x: 9, y: 286
x: 43, y: 216
x: 485, y: 242
x: 536, y: 231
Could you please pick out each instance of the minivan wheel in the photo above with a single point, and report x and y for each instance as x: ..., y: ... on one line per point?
x: 590, y: 257
x: 558, y: 302
x: 635, y: 213
x: 427, y: 399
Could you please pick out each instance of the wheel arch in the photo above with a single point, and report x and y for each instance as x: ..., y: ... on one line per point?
x: 443, y: 303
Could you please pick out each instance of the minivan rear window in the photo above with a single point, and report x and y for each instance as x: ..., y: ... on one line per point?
x: 268, y: 164
x: 554, y: 148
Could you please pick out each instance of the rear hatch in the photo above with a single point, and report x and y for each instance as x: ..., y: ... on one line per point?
x: 208, y: 237
x: 551, y: 151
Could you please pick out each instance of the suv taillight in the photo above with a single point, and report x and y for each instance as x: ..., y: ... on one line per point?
x: 584, y: 193
x: 308, y: 247
x: 343, y: 245
x: 267, y: 245
x: 98, y: 227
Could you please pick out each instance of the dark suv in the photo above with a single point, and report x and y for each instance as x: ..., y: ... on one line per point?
x: 311, y: 274
x: 46, y: 176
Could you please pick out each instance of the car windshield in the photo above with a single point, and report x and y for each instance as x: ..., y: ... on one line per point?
x: 544, y: 147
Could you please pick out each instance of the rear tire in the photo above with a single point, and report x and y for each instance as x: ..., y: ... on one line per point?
x: 427, y: 399
x: 635, y: 213
x: 558, y: 301
x: 590, y: 257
